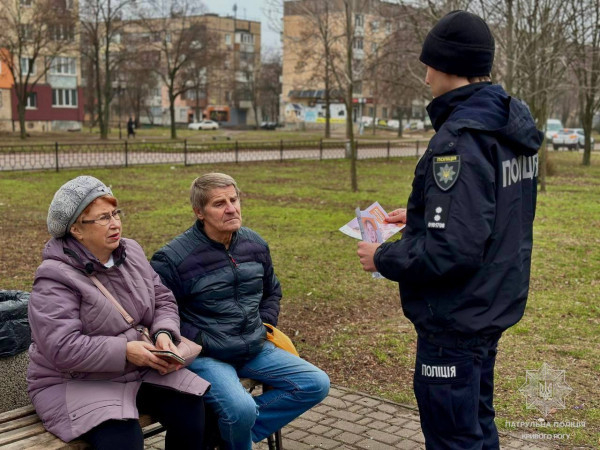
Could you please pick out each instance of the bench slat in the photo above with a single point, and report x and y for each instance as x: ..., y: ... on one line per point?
x: 21, y: 433
x: 18, y: 423
x: 16, y: 413
x: 46, y: 441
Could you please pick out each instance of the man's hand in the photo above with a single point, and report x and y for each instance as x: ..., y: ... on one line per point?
x: 366, y: 251
x: 397, y: 216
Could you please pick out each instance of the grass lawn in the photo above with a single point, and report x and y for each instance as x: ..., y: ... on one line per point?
x: 164, y: 134
x: 341, y: 318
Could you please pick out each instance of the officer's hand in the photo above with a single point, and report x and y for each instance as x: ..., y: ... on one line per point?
x: 366, y: 251
x: 397, y: 216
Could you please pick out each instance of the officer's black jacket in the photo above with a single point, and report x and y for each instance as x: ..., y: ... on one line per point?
x: 464, y: 259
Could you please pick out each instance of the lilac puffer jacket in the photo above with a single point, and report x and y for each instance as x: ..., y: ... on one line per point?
x: 78, y: 375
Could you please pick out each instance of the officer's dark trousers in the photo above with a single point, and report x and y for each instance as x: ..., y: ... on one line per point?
x: 454, y: 387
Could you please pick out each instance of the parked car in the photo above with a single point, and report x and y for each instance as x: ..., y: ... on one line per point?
x: 268, y: 125
x: 581, y: 138
x: 567, y: 137
x: 553, y: 126
x: 204, y: 125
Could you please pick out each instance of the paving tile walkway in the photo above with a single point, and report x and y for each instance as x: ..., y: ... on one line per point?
x: 353, y: 420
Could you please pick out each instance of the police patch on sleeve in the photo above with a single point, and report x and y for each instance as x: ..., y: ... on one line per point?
x: 446, y: 170
x: 437, y: 211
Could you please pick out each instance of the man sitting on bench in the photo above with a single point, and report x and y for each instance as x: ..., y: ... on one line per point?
x: 222, y: 277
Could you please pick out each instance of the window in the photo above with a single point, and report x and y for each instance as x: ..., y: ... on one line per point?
x: 359, y: 21
x: 244, y: 38
x: 64, y: 98
x: 373, y: 47
x: 374, y: 26
x: 370, y: 111
x: 227, y: 96
x: 27, y: 66
x: 388, y: 27
x: 26, y: 32
x: 227, y: 39
x: 62, y: 65
x: 31, y: 101
x: 62, y: 32
x: 384, y: 113
x: 26, y: 2
x: 358, y: 43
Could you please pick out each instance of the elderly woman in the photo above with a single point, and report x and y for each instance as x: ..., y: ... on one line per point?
x: 89, y: 372
x: 222, y: 277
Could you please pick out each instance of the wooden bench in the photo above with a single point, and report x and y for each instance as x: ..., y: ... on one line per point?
x: 22, y: 429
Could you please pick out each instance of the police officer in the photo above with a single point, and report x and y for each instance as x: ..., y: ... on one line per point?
x: 463, y: 263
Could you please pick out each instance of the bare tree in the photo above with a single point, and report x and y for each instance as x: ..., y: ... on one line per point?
x: 315, y: 45
x: 269, y: 86
x: 101, y: 33
x: 177, y: 33
x: 395, y: 63
x: 34, y: 33
x: 584, y: 31
x: 138, y: 85
x: 531, y: 41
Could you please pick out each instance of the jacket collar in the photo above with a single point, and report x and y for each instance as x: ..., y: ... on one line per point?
x: 201, y: 234
x: 81, y: 258
x: 442, y: 107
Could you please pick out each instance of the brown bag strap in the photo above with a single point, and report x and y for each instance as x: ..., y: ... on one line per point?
x: 113, y: 300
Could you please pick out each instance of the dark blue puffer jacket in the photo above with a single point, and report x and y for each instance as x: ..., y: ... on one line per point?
x: 463, y: 262
x: 224, y: 296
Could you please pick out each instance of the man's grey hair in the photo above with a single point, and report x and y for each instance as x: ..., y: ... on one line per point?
x: 201, y: 187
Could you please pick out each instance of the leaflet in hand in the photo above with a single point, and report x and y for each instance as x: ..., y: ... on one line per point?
x: 373, y: 222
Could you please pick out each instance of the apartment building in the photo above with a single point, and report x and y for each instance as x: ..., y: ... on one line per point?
x: 231, y: 77
x: 54, y: 70
x: 221, y: 86
x: 6, y: 85
x: 375, y: 27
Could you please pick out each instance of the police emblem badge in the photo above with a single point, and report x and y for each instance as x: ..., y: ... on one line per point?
x: 446, y: 170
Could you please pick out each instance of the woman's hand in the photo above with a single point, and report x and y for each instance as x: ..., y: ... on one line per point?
x: 164, y: 342
x: 138, y: 353
x: 397, y: 216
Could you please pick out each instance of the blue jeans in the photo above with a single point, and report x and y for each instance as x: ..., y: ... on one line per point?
x: 297, y: 387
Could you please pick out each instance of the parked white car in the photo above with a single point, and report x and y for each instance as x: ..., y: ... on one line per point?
x: 553, y: 126
x: 204, y: 125
x: 581, y: 137
x: 567, y: 137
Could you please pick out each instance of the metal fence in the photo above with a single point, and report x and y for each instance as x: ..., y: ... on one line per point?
x: 127, y: 153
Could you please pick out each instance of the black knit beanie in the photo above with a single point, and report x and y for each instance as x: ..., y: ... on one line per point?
x: 461, y: 44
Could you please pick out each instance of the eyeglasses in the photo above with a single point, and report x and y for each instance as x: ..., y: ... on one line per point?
x: 105, y: 219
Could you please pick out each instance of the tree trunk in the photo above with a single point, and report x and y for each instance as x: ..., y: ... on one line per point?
x: 400, y: 117
x: 327, y: 100
x: 374, y: 118
x: 349, y: 94
x: 21, y: 111
x: 172, y: 112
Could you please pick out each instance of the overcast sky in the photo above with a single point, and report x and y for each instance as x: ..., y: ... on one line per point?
x: 251, y: 10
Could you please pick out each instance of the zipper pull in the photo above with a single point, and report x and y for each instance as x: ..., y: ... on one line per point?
x: 232, y: 260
